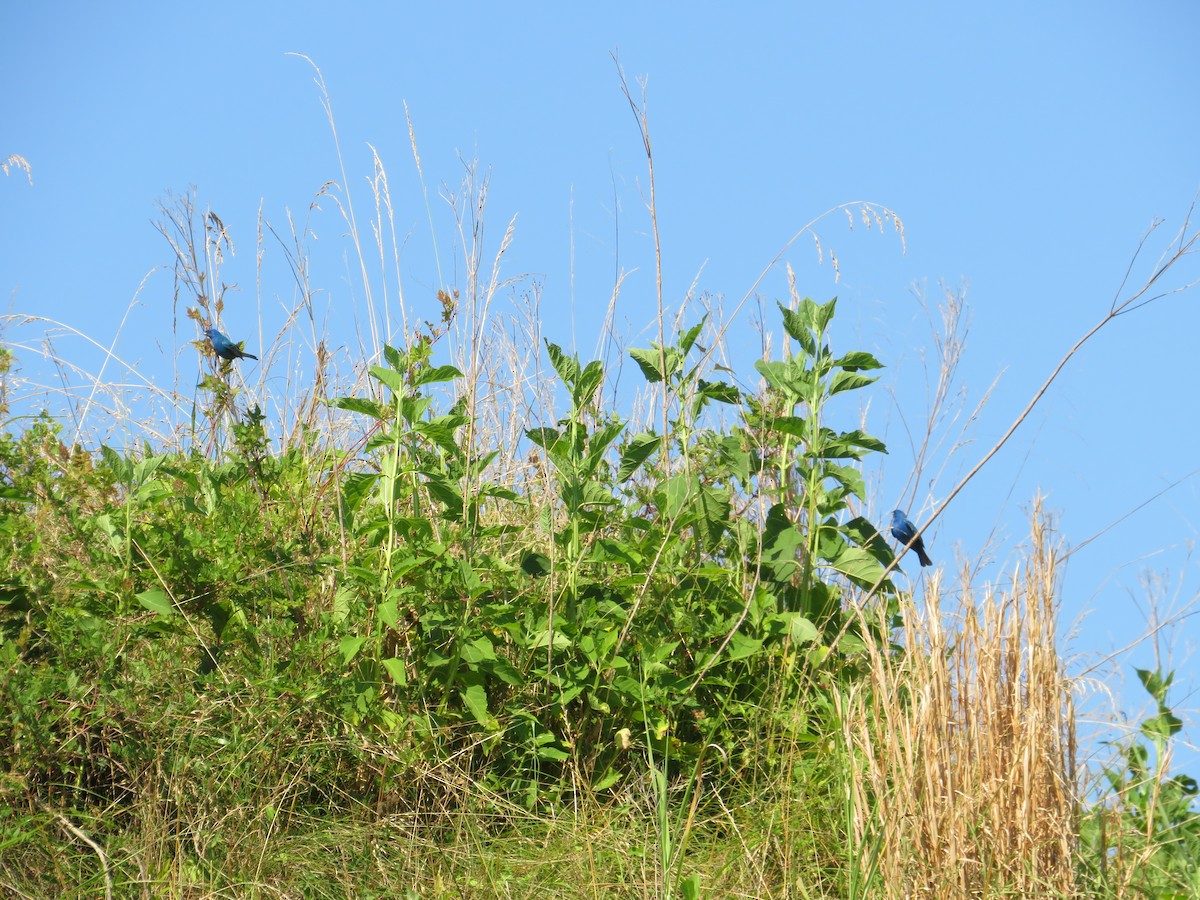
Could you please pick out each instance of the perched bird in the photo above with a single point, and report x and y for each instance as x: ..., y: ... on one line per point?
x: 903, y: 531
x: 225, y: 348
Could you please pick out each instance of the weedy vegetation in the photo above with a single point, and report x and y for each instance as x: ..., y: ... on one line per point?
x: 462, y: 625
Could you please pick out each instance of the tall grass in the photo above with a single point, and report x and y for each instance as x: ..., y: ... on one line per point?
x: 962, y: 742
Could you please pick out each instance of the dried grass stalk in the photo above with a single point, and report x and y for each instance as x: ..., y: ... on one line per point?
x: 962, y: 744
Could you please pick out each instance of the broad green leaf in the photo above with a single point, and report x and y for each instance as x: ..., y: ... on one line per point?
x: 390, y: 378
x: 1154, y: 683
x: 536, y: 564
x: 1162, y: 727
x: 506, y: 672
x: 475, y: 699
x: 799, y: 628
x: 688, y: 339
x: 389, y: 612
x: 567, y: 367
x: 477, y: 651
x: 719, y: 391
x: 156, y: 600
x: 859, y: 566
x: 741, y: 646
x: 858, y: 359
x: 436, y: 375
x: 543, y: 437
x: 441, y: 432
x: 679, y: 493
x: 144, y: 470
x: 114, y: 533
x: 601, y: 440
x: 651, y: 362
x: 607, y: 780
x: 864, y: 440
x: 542, y: 638
x: 786, y: 376
x: 796, y: 426
x: 121, y: 467
x: 589, y: 382
x: 849, y: 381
x: 362, y: 405
x: 822, y: 314
x: 397, y: 670
x: 639, y: 449
x: 349, y: 646
x: 848, y: 476
x: 397, y: 360
x: 798, y: 324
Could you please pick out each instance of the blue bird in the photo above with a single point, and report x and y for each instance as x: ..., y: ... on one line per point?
x: 903, y: 531
x: 225, y: 348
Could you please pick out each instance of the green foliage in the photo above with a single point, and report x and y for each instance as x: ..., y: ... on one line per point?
x: 1147, y: 833
x: 385, y: 622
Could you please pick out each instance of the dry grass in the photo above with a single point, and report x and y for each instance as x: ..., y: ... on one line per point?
x: 962, y: 744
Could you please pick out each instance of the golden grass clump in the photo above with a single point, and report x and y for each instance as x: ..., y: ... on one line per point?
x: 962, y: 743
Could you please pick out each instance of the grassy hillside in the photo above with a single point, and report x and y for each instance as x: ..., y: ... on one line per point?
x: 440, y: 633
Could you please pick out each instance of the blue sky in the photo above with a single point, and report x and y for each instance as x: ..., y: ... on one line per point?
x: 1026, y: 147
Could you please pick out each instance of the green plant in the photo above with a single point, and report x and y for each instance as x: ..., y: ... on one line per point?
x: 1144, y: 838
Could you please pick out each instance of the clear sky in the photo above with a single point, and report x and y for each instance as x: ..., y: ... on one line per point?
x: 1027, y: 147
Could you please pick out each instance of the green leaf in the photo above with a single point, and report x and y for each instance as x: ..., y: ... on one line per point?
x: 639, y: 449
x: 475, y: 699
x: 397, y: 670
x: 800, y: 629
x: 649, y: 362
x: 680, y: 491
x: 848, y: 477
x: 362, y: 405
x: 608, y: 779
x: 601, y: 440
x: 1162, y: 727
x: 542, y: 638
x: 861, y: 439
x: 119, y: 465
x: 389, y: 609
x: 157, y: 601
x: 536, y: 564
x: 395, y: 359
x: 144, y: 470
x: 822, y: 314
x: 798, y: 324
x: 567, y: 367
x: 858, y: 359
x: 787, y: 376
x: 796, y: 426
x: 477, y: 651
x: 741, y: 646
x: 390, y: 378
x: 114, y: 533
x: 436, y: 375
x: 849, y: 381
x: 688, y: 339
x: 543, y: 437
x: 1154, y: 683
x: 589, y: 382
x: 859, y: 566
x: 349, y: 646
x: 719, y: 391
x: 441, y: 432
